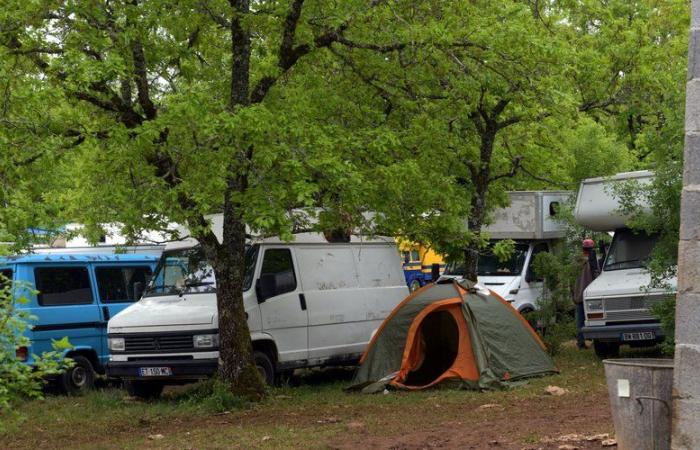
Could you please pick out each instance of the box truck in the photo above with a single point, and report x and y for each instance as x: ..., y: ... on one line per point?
x: 531, y: 221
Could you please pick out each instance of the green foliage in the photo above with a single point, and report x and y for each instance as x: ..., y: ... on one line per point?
x: 503, y: 249
x: 17, y: 379
x: 666, y: 313
x: 558, y: 271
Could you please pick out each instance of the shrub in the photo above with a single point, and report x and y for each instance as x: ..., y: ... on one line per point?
x: 666, y: 313
x: 17, y: 379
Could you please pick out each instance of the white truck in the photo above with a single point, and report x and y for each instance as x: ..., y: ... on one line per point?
x: 308, y: 302
x: 616, y: 304
x: 531, y: 221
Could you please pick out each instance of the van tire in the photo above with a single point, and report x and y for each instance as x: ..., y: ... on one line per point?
x: 415, y: 285
x: 145, y: 390
x: 265, y: 366
x: 606, y: 349
x: 78, y: 378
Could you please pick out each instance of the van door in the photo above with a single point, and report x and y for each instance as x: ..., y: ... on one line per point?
x: 284, y: 313
x: 66, y: 307
x: 337, y: 310
x: 531, y: 285
x: 115, y: 290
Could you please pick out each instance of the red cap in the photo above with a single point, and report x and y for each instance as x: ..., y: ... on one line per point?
x: 588, y: 243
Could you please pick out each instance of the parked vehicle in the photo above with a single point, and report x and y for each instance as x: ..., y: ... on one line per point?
x: 309, y: 303
x: 531, y: 221
x: 616, y: 304
x: 421, y: 264
x: 75, y: 296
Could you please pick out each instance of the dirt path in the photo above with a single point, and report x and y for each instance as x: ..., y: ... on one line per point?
x: 545, y: 423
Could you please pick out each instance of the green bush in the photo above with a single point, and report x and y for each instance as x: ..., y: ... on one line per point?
x: 17, y: 379
x: 554, y: 317
x: 666, y: 313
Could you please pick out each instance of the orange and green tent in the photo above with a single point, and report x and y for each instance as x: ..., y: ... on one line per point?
x: 454, y: 333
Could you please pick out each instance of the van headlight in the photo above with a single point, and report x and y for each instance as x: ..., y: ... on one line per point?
x: 117, y: 344
x: 594, y: 305
x: 205, y: 340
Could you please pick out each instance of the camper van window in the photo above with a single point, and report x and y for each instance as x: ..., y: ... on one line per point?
x: 629, y: 250
x: 116, y: 284
x: 187, y: 271
x: 60, y: 286
x: 490, y: 265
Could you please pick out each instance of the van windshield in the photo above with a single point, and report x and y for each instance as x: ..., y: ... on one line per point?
x: 187, y: 271
x: 630, y: 250
x: 490, y: 265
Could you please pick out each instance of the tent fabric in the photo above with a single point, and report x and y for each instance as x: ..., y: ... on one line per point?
x: 451, y: 333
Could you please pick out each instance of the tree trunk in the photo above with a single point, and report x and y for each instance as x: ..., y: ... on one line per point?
x: 236, y: 365
x: 478, y: 203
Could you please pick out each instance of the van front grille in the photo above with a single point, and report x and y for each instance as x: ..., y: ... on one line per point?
x: 164, y: 343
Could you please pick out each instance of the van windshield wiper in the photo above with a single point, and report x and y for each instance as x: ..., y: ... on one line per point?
x: 198, y: 283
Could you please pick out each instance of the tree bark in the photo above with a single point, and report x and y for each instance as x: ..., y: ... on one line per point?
x: 481, y: 177
x: 236, y: 364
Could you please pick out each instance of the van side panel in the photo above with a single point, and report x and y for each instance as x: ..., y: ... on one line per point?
x: 349, y: 290
x: 81, y: 323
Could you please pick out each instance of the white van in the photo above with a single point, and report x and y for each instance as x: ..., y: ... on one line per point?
x: 308, y: 302
x: 531, y: 221
x: 616, y: 304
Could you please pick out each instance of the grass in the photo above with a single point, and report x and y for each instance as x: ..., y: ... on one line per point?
x: 305, y: 416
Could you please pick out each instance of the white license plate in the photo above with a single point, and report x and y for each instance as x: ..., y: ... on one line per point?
x: 155, y: 371
x: 641, y: 336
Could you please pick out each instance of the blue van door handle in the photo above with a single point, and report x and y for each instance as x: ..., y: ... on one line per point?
x: 302, y: 301
x: 105, y: 313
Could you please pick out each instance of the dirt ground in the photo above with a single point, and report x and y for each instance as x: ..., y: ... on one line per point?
x: 315, y: 412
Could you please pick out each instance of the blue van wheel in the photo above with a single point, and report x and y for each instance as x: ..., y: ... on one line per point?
x: 415, y: 285
x: 79, y: 378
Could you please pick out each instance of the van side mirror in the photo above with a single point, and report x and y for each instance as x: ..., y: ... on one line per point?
x: 435, y: 272
x: 138, y: 290
x: 266, y: 286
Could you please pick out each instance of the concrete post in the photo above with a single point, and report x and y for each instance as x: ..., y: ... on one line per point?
x: 686, y: 383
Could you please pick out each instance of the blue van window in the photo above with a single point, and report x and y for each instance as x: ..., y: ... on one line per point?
x: 59, y: 286
x: 116, y: 284
x: 5, y: 278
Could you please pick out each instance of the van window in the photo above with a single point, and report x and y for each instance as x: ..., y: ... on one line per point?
x: 60, y: 286
x: 415, y: 256
x: 5, y: 278
x: 116, y: 284
x: 278, y: 261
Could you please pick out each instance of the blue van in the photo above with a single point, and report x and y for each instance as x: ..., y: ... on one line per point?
x: 77, y: 294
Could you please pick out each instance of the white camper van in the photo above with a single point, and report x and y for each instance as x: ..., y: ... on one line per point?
x: 616, y: 304
x: 308, y: 302
x: 530, y: 220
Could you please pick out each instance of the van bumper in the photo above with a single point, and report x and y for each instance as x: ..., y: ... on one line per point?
x: 192, y: 369
x: 614, y: 332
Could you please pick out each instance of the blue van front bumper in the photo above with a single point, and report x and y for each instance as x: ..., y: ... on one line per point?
x: 190, y: 369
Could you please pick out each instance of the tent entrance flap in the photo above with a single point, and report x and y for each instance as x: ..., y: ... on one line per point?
x: 437, y: 345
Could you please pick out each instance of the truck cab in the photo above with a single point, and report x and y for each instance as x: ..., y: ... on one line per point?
x: 512, y: 279
x: 617, y: 303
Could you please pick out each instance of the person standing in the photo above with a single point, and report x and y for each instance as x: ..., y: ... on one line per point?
x: 589, y: 271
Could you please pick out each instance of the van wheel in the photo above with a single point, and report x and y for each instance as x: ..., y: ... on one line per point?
x: 265, y: 367
x: 79, y: 378
x: 529, y: 315
x: 146, y: 390
x: 415, y: 285
x: 605, y: 349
